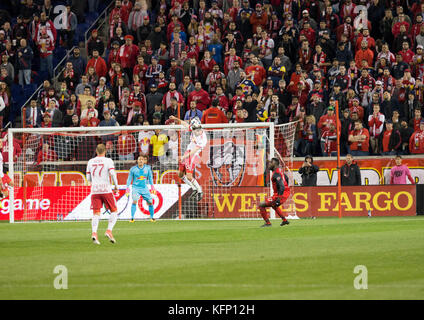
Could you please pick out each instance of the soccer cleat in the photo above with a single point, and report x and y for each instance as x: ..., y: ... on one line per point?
x: 193, y: 194
x: 109, y: 235
x: 284, y: 222
x: 266, y: 225
x: 94, y: 238
x: 199, y: 196
x: 132, y: 220
x: 153, y: 220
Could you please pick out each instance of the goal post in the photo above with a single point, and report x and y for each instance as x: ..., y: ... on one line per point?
x: 50, y: 183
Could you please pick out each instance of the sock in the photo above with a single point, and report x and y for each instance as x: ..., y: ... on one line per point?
x: 280, y: 213
x: 151, y: 211
x: 95, y: 223
x: 196, y: 185
x: 112, y: 220
x: 133, y: 209
x: 186, y: 181
x: 264, y: 215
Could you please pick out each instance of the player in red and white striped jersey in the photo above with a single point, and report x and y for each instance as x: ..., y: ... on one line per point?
x: 99, y: 171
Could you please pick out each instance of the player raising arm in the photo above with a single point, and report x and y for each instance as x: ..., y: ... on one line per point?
x: 280, y: 186
x: 99, y: 171
x: 138, y: 176
x: 191, y: 157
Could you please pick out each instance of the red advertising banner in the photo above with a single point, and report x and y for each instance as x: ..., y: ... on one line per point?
x: 236, y: 202
x: 374, y: 171
x: 323, y: 201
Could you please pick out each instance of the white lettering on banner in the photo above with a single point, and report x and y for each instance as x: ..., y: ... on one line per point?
x: 169, y: 192
x: 31, y: 204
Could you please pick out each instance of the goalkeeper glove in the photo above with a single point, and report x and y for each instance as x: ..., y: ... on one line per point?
x: 127, y: 192
x: 277, y: 201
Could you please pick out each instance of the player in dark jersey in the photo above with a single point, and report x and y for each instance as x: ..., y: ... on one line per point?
x: 280, y: 186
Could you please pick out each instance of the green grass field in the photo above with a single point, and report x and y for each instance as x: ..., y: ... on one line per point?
x: 308, y: 259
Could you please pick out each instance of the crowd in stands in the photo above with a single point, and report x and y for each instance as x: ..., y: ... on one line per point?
x: 232, y: 61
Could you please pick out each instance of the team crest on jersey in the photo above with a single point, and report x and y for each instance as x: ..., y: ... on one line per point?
x: 227, y: 164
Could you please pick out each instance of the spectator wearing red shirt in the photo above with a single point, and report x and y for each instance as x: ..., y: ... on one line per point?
x: 327, y: 119
x: 365, y: 35
x: 46, y: 154
x: 359, y: 140
x: 401, y: 21
x: 308, y: 33
x: 376, y: 125
x: 172, y: 92
x: 113, y: 56
x: 207, y: 63
x: 122, y: 10
x: 364, y: 53
x: 214, y: 114
x: 348, y: 9
x: 128, y: 54
x: 258, y: 18
x: 406, y: 53
x: 90, y: 120
x: 390, y: 140
x: 223, y: 102
x: 357, y: 108
x: 305, y: 54
x: 98, y: 63
x: 415, y: 122
x: 329, y: 141
x: 199, y: 95
x: 416, y: 142
x: 229, y: 61
x: 256, y: 72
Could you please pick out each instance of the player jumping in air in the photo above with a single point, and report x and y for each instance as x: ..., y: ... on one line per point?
x: 139, y: 176
x: 99, y: 171
x: 191, y: 157
x: 281, y: 189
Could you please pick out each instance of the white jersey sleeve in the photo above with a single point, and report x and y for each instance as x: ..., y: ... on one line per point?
x: 99, y: 172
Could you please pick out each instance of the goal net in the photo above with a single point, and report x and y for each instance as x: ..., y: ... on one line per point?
x: 50, y: 182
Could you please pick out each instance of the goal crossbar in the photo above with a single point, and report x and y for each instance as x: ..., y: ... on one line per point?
x: 270, y: 127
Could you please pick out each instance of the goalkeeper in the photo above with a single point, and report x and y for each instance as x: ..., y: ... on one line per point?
x: 281, y: 189
x: 139, y: 175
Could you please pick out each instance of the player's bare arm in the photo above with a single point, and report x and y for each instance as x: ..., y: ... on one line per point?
x: 184, y: 123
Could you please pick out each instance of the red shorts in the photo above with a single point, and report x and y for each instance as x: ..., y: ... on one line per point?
x: 97, y: 201
x: 6, y: 180
x: 189, y: 163
x: 272, y: 201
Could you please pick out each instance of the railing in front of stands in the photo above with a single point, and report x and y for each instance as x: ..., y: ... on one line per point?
x: 95, y: 25
x: 60, y: 66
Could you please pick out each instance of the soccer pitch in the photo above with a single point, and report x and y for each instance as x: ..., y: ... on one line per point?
x: 203, y: 260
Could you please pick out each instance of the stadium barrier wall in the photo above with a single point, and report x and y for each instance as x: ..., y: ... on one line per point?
x: 240, y: 202
x: 374, y: 170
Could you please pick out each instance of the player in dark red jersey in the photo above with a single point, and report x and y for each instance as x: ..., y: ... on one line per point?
x: 280, y: 186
